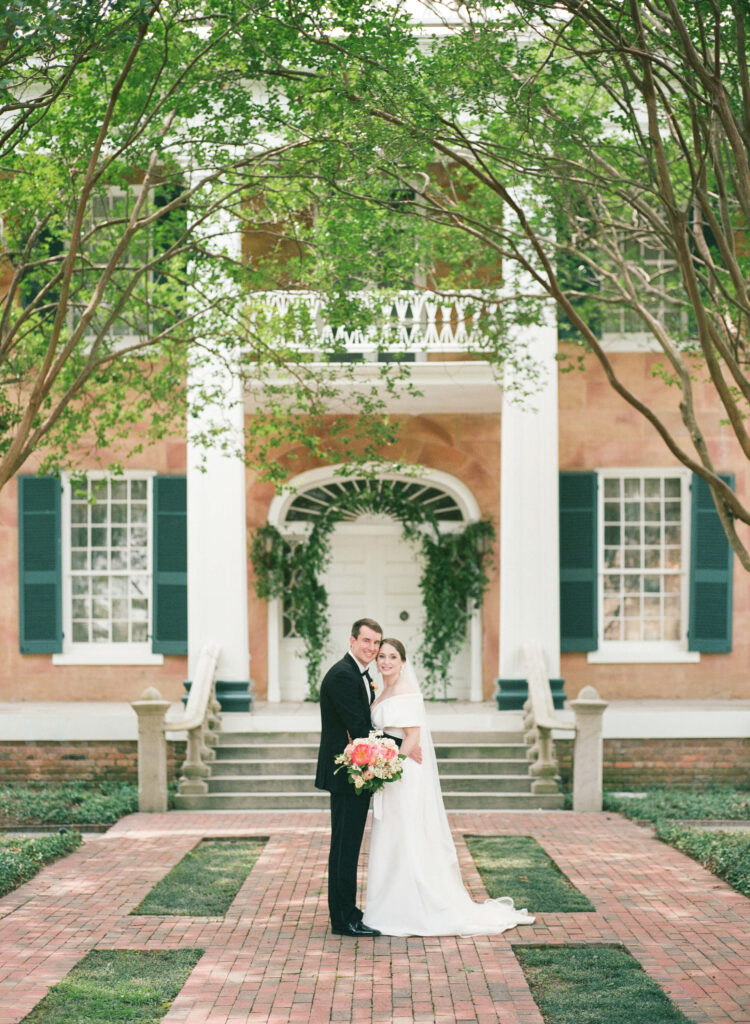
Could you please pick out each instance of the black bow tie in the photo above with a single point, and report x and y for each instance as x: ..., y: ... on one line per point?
x: 366, y: 675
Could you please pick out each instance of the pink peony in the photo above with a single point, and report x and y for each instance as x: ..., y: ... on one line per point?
x: 361, y: 753
x: 388, y: 753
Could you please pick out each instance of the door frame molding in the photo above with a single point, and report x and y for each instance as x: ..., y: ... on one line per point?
x: 329, y: 474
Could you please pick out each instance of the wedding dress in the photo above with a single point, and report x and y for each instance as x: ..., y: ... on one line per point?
x: 414, y: 884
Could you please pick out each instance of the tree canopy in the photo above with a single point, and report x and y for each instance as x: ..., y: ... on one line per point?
x: 133, y: 140
x: 595, y: 155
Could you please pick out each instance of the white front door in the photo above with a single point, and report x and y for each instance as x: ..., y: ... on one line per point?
x: 373, y: 572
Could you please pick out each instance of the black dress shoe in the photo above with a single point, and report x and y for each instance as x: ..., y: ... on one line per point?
x: 356, y: 930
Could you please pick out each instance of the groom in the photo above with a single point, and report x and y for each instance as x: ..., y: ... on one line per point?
x: 345, y: 699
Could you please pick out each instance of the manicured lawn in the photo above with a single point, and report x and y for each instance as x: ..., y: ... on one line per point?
x: 517, y: 866
x: 124, y: 986
x: 206, y: 880
x: 594, y: 985
x: 22, y: 858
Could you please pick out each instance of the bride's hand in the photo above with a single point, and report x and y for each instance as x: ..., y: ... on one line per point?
x: 416, y: 755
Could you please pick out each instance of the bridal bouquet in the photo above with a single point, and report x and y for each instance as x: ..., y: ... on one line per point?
x: 371, y: 762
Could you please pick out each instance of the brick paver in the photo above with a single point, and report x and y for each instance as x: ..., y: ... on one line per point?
x: 273, y: 959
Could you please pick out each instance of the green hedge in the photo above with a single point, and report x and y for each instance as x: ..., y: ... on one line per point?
x: 658, y: 804
x: 71, y: 803
x: 726, y: 854
x: 21, y: 859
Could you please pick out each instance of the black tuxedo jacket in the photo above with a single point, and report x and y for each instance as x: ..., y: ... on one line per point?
x: 344, y: 708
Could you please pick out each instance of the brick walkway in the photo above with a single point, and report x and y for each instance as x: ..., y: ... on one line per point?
x: 272, y: 958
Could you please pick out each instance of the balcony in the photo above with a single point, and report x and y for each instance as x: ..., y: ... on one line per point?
x: 415, y: 322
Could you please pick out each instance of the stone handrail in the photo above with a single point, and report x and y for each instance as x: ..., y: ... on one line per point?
x: 539, y: 721
x: 201, y: 722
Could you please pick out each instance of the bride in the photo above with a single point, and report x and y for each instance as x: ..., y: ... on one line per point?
x: 414, y: 883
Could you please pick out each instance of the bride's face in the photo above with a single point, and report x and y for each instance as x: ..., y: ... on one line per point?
x: 389, y: 662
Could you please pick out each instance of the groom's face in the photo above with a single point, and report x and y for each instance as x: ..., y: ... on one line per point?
x: 365, y: 646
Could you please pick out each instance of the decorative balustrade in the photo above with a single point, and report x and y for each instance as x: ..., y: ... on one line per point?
x: 201, y: 722
x: 408, y: 320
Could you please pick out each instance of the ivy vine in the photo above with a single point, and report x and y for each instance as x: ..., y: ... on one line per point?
x: 453, y: 581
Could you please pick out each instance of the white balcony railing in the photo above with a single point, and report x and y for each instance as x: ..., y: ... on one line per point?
x: 408, y: 320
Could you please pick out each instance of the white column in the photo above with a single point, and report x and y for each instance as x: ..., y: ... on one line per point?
x: 529, y: 547
x: 217, y: 527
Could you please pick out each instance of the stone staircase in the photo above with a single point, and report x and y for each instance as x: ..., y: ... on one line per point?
x: 275, y: 771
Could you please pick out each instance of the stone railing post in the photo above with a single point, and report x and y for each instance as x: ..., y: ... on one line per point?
x: 588, y: 770
x: 152, y: 751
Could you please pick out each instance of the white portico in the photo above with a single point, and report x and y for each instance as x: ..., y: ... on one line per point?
x: 528, y: 565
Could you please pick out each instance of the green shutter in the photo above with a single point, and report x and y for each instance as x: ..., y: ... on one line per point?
x: 578, y: 562
x: 39, y: 565
x: 170, y: 565
x: 711, y: 562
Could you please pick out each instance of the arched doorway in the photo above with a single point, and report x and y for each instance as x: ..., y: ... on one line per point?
x: 372, y: 571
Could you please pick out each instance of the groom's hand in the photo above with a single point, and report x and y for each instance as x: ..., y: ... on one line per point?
x: 416, y: 755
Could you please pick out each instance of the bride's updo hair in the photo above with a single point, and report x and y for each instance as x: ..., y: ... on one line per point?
x: 395, y: 643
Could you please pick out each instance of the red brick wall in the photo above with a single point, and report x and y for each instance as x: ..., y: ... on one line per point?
x: 88, y: 760
x: 639, y: 763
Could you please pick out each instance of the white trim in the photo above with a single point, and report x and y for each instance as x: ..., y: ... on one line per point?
x: 625, y: 652
x: 110, y: 653
x: 644, y: 652
x: 332, y: 474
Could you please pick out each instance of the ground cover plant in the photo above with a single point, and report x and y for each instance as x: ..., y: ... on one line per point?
x: 66, y: 803
x: 22, y: 858
x: 716, y: 802
x: 593, y: 984
x: 517, y: 866
x: 206, y: 880
x: 126, y: 986
x: 726, y: 854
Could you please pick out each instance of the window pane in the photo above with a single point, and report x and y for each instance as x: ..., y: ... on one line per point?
x: 672, y: 487
x: 611, y: 488
x: 102, y: 557
x: 78, y: 513
x: 647, y: 523
x: 632, y: 487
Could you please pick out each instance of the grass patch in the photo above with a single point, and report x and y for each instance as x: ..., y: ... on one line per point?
x: 69, y: 803
x: 206, y: 880
x: 717, y: 802
x: 726, y: 854
x: 22, y: 858
x: 593, y: 985
x: 123, y: 986
x: 517, y: 866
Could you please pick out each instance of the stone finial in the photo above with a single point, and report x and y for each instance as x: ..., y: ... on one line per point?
x: 588, y: 693
x: 151, y: 693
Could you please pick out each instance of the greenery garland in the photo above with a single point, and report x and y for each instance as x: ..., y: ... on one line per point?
x: 453, y: 580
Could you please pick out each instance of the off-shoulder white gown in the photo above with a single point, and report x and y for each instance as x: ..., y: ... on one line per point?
x: 414, y: 884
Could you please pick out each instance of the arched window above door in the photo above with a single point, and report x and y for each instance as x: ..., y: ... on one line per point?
x: 379, y: 492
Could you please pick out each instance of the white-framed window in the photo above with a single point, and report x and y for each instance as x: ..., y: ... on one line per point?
x: 107, y: 577
x: 623, y: 329
x: 643, y: 565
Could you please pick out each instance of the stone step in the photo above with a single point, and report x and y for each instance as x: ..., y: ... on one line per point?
x: 486, y: 766
x: 262, y: 766
x: 318, y: 801
x: 271, y: 751
x: 305, y: 784
x: 480, y: 751
x: 240, y: 738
